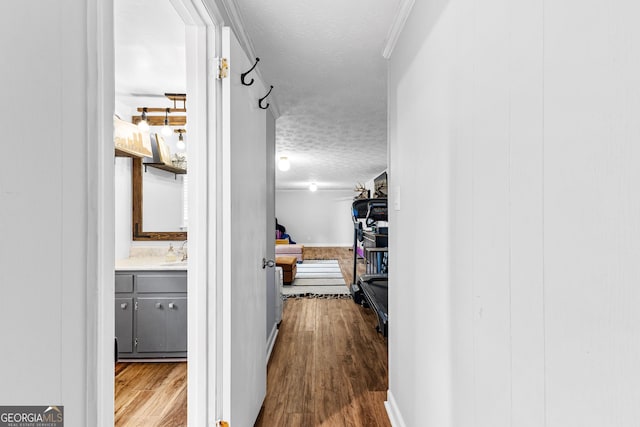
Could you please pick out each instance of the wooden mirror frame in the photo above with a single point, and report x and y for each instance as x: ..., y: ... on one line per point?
x: 137, y: 229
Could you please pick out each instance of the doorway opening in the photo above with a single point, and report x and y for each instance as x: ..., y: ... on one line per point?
x: 163, y: 53
x: 151, y: 213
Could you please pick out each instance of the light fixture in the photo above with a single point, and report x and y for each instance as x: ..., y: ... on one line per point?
x: 166, y: 129
x: 180, y: 145
x: 313, y: 186
x: 143, y: 125
x: 165, y: 119
x: 284, y: 164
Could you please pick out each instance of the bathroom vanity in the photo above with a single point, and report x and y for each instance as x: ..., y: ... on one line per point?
x: 151, y: 310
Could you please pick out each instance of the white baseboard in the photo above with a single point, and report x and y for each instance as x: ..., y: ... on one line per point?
x: 393, y: 411
x: 272, y: 340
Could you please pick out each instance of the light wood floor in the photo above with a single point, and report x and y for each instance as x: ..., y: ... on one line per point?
x: 328, y: 368
x: 151, y: 394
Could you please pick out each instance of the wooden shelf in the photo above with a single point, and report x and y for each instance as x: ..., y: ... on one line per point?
x: 124, y: 153
x: 174, y: 170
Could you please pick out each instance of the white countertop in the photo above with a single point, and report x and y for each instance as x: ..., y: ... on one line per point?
x: 157, y: 263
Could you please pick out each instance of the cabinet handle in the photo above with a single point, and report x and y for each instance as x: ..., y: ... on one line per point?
x: 123, y: 306
x: 172, y: 305
x: 158, y: 305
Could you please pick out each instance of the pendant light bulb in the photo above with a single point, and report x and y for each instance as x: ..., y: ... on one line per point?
x: 313, y: 187
x: 166, y: 129
x: 180, y: 145
x: 143, y: 125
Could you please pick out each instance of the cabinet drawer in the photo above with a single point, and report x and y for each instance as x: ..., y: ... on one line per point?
x: 124, y: 283
x: 161, y: 282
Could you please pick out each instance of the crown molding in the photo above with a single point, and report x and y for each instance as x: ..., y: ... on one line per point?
x: 237, y: 24
x: 402, y: 13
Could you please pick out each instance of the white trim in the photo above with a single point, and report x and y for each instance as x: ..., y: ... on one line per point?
x: 100, y: 221
x: 211, y: 12
x: 237, y: 24
x: 197, y: 327
x: 271, y: 342
x: 395, y: 417
x: 198, y: 410
x: 203, y: 23
x: 402, y: 13
x: 223, y: 215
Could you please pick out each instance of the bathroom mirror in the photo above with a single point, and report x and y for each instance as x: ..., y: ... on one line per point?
x: 157, y: 203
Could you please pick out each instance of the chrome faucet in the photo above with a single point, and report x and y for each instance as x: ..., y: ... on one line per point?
x: 184, y: 250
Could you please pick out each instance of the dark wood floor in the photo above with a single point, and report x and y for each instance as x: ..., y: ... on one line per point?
x: 328, y: 368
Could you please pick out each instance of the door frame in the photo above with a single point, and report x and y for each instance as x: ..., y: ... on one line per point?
x: 203, y: 22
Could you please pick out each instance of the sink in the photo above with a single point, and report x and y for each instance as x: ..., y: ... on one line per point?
x: 175, y: 264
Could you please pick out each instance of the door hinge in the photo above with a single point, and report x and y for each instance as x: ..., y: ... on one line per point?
x: 135, y: 343
x: 223, y: 68
x: 135, y: 305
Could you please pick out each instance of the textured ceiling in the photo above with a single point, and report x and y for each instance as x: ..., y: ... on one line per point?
x: 324, y: 59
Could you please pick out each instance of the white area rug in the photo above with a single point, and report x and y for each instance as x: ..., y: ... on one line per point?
x: 317, y: 278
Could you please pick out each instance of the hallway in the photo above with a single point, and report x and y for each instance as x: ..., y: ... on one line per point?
x: 328, y: 367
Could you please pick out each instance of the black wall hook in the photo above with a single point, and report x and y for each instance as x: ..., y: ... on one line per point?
x: 263, y: 98
x: 243, y: 75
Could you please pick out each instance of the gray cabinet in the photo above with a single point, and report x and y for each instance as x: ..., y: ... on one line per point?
x: 124, y: 324
x: 176, y: 325
x: 162, y: 324
x: 151, y: 314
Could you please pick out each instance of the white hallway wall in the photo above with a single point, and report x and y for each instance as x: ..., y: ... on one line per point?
x: 49, y: 208
x: 518, y: 122
x: 321, y: 218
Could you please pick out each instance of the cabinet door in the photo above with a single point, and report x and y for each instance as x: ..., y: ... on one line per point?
x: 176, y: 316
x: 124, y: 324
x: 151, y: 324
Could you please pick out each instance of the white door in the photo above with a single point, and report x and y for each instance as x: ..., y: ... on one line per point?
x: 243, y: 205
